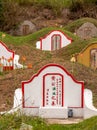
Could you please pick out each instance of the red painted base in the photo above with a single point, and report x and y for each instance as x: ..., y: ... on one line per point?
x: 6, y: 68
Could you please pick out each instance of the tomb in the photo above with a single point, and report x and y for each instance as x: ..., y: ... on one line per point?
x: 24, y: 28
x: 8, y: 59
x: 88, y: 56
x: 53, y: 41
x: 53, y: 90
x: 87, y: 30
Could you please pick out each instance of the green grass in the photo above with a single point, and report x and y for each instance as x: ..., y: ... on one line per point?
x: 32, y: 38
x: 75, y: 47
x: 77, y: 23
x: 13, y: 122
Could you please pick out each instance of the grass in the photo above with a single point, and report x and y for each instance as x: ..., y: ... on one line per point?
x: 76, y: 47
x: 13, y: 122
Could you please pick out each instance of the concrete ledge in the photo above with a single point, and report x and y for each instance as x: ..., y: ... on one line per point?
x: 61, y: 112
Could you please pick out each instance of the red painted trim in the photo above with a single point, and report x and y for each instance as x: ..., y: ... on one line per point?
x: 5, y: 68
x: 44, y: 87
x: 41, y: 43
x: 41, y: 39
x: 43, y: 103
x: 63, y: 88
x: 48, y: 65
x: 75, y: 107
x: 82, y: 105
x: 23, y: 103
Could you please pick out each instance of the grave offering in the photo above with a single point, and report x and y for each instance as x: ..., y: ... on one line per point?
x: 87, y: 30
x: 8, y: 59
x: 53, y: 41
x: 88, y: 56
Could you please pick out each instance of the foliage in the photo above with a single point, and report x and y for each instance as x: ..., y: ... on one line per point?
x: 1, y: 14
x: 10, y: 13
x: 55, y: 5
x: 76, y: 5
x: 9, y: 17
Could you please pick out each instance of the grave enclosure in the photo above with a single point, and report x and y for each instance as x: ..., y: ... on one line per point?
x: 8, y: 59
x: 88, y: 56
x: 53, y: 90
x: 54, y: 40
x: 87, y: 30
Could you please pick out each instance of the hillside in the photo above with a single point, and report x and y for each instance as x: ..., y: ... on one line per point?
x: 25, y: 46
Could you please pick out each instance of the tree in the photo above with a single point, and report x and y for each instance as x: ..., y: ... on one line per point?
x: 1, y: 13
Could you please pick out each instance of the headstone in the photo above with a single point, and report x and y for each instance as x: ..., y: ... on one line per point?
x: 87, y: 30
x: 25, y: 28
x: 53, y: 41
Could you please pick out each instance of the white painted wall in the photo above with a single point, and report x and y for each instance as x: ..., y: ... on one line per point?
x: 89, y: 109
x: 61, y: 112
x: 17, y: 65
x: 38, y: 44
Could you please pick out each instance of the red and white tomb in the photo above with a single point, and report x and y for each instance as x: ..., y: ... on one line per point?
x: 54, y: 40
x: 52, y: 92
x: 8, y: 58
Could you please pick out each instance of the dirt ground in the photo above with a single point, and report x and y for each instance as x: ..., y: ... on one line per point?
x: 11, y: 80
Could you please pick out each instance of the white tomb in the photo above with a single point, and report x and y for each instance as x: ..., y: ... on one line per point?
x: 52, y: 92
x: 55, y: 40
x: 8, y: 58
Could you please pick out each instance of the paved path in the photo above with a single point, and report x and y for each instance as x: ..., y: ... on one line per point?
x: 64, y: 121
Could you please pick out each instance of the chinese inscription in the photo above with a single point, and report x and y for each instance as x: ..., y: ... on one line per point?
x: 53, y: 90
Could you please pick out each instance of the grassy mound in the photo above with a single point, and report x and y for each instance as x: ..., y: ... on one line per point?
x: 32, y: 38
